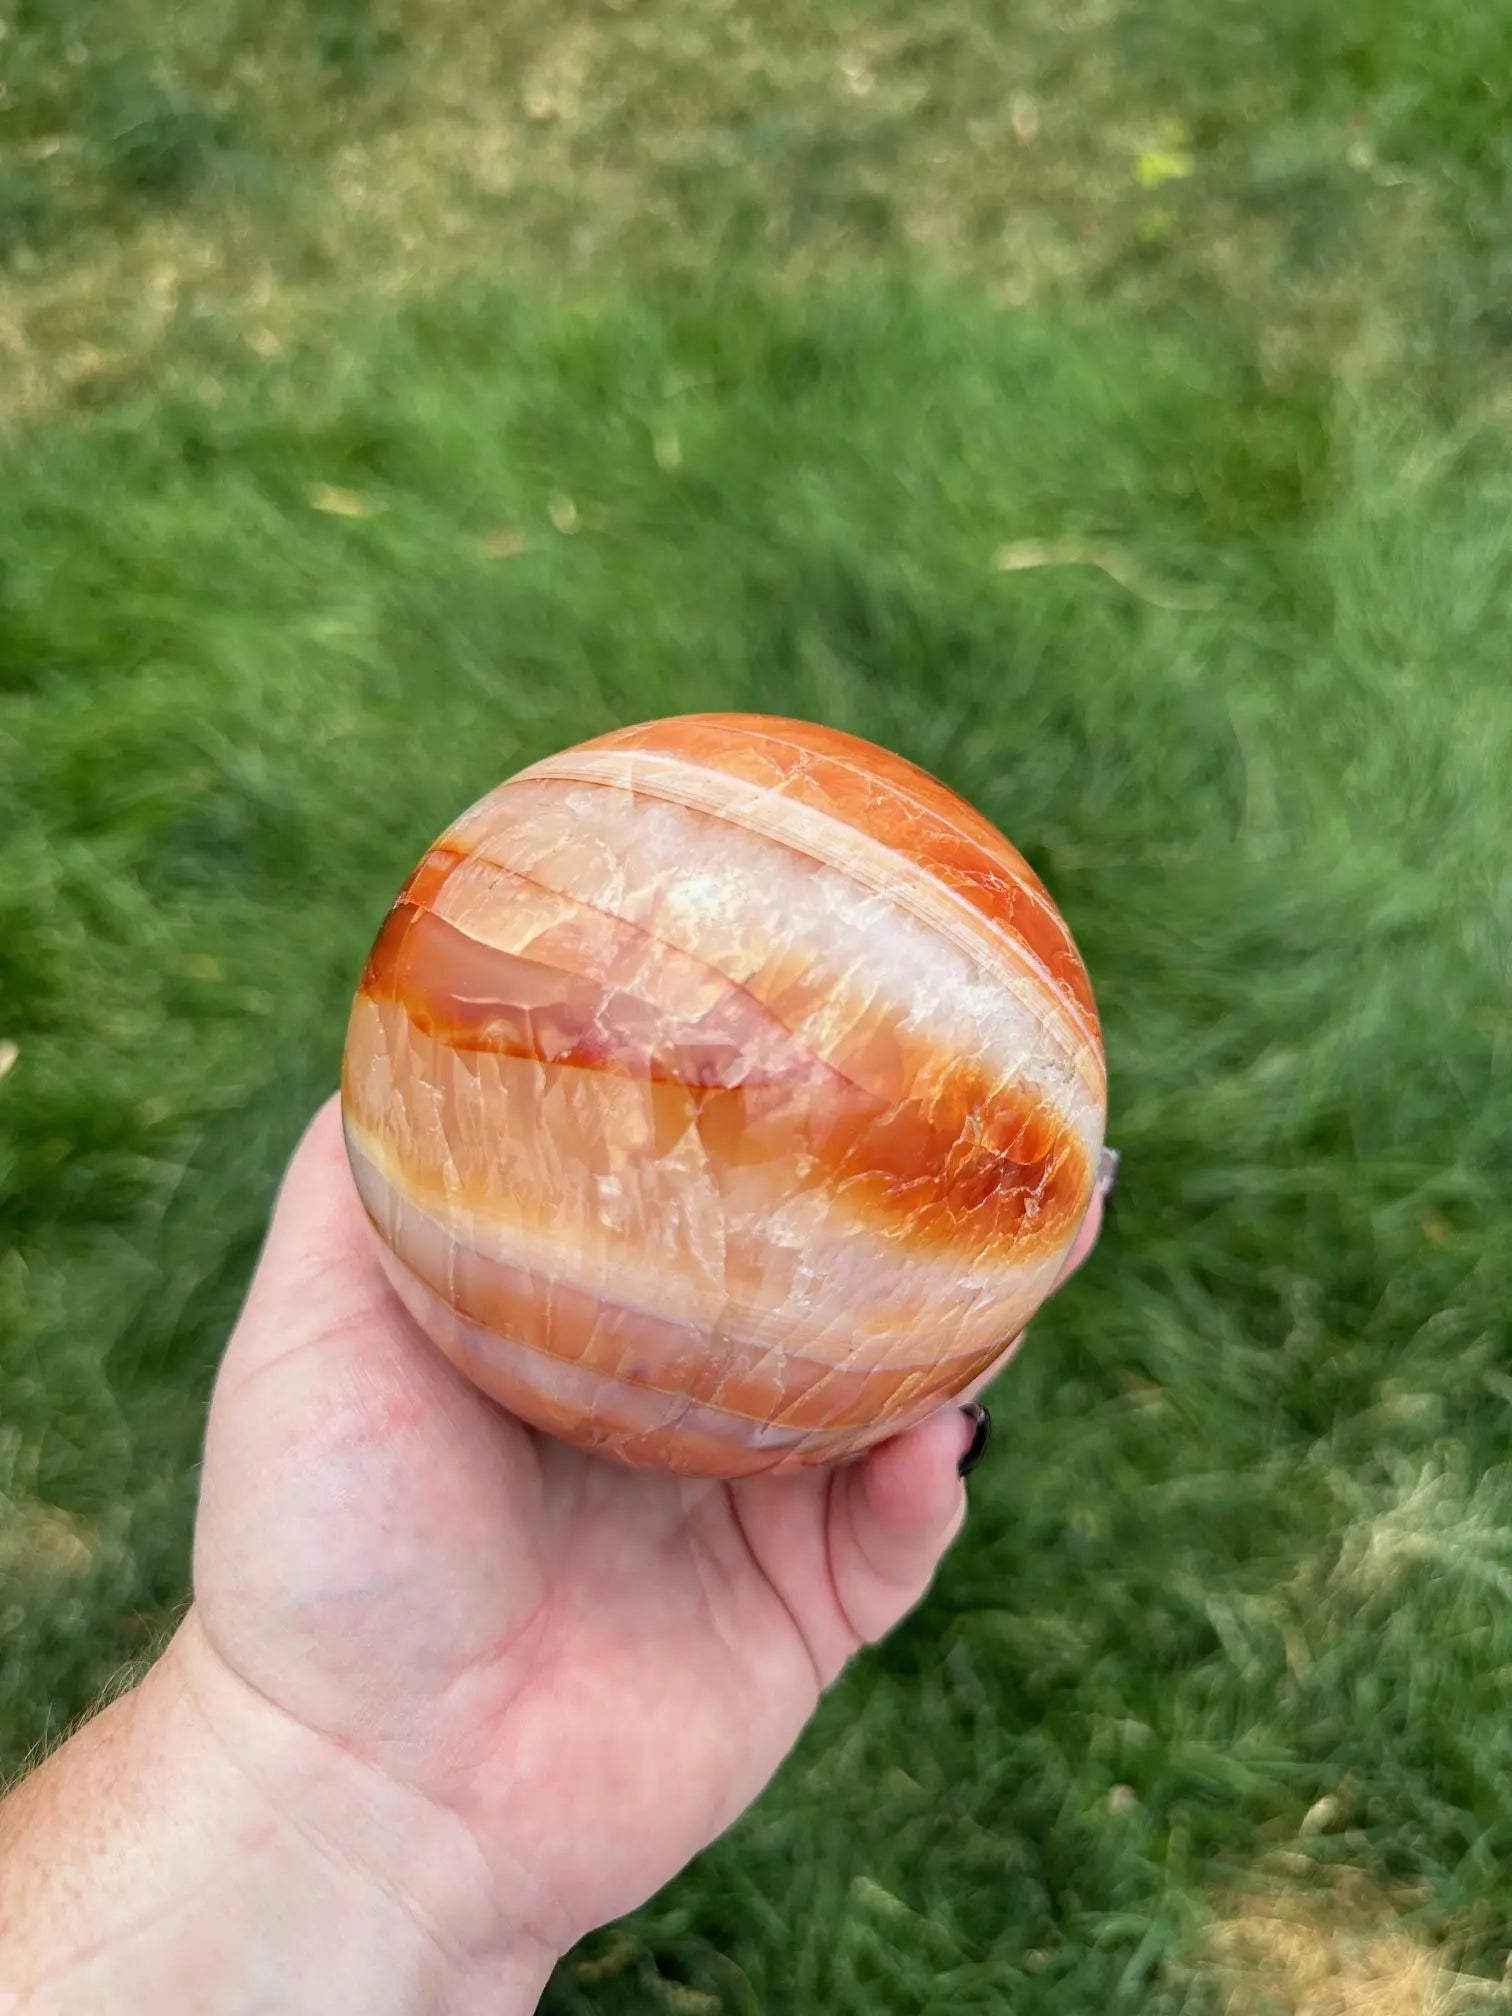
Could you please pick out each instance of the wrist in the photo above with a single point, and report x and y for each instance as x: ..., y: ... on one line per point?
x: 195, y: 1847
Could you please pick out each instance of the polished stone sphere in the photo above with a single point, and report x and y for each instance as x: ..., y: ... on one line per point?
x: 725, y: 1093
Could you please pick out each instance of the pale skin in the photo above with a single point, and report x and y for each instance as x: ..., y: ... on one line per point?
x: 449, y: 1694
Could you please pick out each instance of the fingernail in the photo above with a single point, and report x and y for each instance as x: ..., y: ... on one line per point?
x: 981, y: 1435
x: 1107, y: 1175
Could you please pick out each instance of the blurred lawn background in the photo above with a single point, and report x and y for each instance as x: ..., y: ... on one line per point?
x: 1107, y: 405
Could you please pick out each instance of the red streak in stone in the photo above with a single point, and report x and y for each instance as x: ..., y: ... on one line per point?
x: 478, y: 997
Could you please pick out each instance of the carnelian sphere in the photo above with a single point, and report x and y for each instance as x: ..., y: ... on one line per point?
x: 726, y: 1094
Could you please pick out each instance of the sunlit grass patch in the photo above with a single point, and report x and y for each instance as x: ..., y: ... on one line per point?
x: 249, y: 170
x: 1339, y: 1949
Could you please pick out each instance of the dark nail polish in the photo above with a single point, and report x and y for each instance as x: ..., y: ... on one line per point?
x: 981, y: 1435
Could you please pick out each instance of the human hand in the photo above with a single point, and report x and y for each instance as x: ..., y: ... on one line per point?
x: 508, y: 1688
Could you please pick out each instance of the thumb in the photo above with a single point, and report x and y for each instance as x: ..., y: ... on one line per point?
x: 892, y: 1517
x: 317, y: 1266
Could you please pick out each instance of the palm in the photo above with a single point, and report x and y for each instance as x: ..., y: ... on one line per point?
x: 598, y: 1668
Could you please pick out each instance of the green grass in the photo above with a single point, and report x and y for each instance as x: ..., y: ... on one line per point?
x: 742, y: 408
